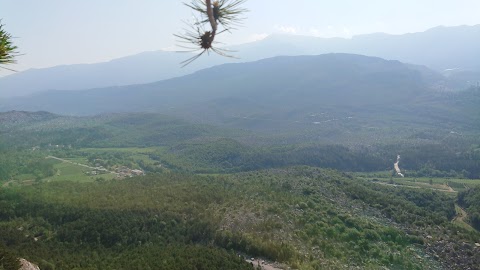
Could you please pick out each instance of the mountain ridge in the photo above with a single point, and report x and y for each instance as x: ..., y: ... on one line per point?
x: 438, y: 48
x: 291, y: 75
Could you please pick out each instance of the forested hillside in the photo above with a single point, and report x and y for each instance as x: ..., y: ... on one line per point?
x: 294, y: 81
x: 201, y: 148
x: 306, y: 218
x: 213, y: 197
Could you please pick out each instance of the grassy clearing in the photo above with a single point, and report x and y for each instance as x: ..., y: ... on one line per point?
x: 23, y: 177
x: 110, y: 158
x: 76, y: 173
x: 132, y: 157
x: 140, y: 150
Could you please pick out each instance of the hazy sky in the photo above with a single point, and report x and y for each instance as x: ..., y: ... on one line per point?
x: 54, y: 32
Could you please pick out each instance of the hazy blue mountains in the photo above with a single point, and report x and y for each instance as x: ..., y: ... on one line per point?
x: 286, y: 82
x: 454, y: 49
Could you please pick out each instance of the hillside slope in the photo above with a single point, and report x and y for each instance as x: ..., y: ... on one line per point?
x: 300, y: 89
x: 340, y: 78
x: 303, y: 217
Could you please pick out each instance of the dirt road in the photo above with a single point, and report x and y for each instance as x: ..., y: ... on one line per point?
x: 447, y: 189
x: 397, y: 168
x: 7, y: 183
x: 461, y: 214
x: 82, y: 165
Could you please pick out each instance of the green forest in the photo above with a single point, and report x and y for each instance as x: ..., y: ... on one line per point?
x: 212, y: 199
x: 304, y: 217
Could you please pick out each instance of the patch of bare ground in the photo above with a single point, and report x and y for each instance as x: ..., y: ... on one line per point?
x: 452, y: 254
x: 265, y: 265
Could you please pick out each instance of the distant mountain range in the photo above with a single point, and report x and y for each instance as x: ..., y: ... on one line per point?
x: 286, y: 81
x: 278, y: 92
x: 450, y: 49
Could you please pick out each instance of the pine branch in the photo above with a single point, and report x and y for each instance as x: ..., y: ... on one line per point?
x: 224, y: 12
x: 211, y: 18
x: 8, y: 51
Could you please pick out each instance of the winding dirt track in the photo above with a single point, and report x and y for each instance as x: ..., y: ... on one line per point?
x: 449, y: 189
x: 461, y: 215
x: 397, y: 168
x: 7, y: 183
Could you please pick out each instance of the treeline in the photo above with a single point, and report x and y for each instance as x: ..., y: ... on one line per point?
x: 440, y: 159
x: 422, y: 160
x: 227, y: 155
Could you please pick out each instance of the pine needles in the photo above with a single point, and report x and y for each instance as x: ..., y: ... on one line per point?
x: 226, y: 13
x: 8, y: 51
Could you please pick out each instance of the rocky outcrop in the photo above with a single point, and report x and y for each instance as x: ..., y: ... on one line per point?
x: 454, y: 254
x: 26, y: 265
